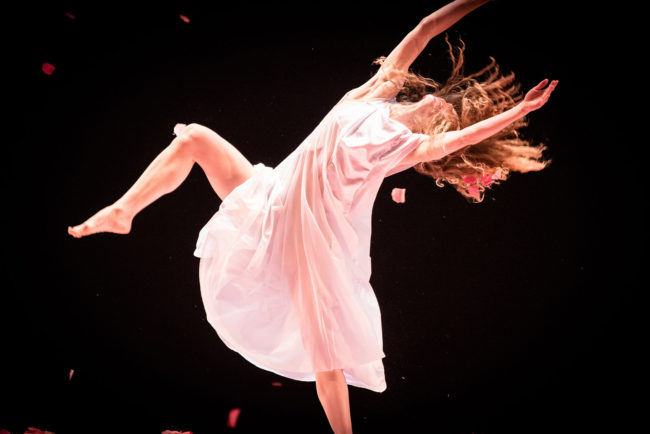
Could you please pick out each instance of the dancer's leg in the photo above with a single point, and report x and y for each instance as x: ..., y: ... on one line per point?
x: 222, y: 163
x: 332, y: 390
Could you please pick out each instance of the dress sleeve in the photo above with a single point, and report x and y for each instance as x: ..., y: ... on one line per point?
x: 377, y: 141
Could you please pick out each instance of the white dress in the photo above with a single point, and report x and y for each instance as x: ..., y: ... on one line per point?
x: 285, y: 261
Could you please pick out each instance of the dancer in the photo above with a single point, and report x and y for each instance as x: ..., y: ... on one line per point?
x: 285, y: 261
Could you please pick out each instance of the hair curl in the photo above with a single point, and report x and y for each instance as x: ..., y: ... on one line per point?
x: 474, y: 97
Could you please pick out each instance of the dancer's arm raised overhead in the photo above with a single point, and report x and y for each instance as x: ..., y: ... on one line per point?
x: 446, y: 143
x: 412, y: 45
x: 390, y: 77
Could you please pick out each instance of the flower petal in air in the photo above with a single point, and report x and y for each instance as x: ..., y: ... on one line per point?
x: 469, y: 179
x: 71, y: 373
x: 276, y: 384
x: 486, y: 180
x: 398, y: 195
x: 48, y: 68
x: 178, y: 128
x: 32, y: 430
x: 233, y: 415
x: 184, y: 18
x: 473, y: 191
x: 69, y: 15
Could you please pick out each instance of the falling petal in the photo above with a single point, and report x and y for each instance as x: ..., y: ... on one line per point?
x: 48, y: 68
x: 32, y: 430
x: 175, y: 432
x: 69, y: 15
x: 398, y: 195
x: 473, y: 191
x: 469, y: 179
x: 233, y: 415
x: 178, y: 128
x: 4, y: 431
x: 486, y: 180
x: 276, y: 384
x: 71, y: 372
x: 184, y: 18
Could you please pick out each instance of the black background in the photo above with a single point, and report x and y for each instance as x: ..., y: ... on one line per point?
x: 502, y: 316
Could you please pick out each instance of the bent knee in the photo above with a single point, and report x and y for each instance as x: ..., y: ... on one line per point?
x: 194, y: 137
x: 194, y: 132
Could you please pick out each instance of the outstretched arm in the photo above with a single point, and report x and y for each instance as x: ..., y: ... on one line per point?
x: 439, y: 21
x: 451, y: 141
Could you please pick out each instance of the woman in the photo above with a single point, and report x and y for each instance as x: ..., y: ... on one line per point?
x: 285, y: 262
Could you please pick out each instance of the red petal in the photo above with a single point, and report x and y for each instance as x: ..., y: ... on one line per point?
x: 469, y: 179
x: 398, y: 195
x: 71, y: 372
x: 486, y: 180
x: 233, y: 415
x: 473, y: 191
x: 69, y: 15
x: 48, y: 68
x: 184, y: 18
x: 276, y: 384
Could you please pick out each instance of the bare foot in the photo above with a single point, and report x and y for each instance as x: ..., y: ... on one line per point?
x: 110, y: 219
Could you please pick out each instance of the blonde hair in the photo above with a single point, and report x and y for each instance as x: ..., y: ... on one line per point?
x: 475, y: 97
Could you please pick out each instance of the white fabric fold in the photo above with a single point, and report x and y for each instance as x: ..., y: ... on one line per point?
x: 285, y: 261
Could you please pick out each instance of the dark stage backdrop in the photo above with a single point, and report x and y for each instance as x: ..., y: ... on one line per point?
x: 497, y: 317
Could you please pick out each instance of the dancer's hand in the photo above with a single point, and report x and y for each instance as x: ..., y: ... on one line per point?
x: 537, y: 96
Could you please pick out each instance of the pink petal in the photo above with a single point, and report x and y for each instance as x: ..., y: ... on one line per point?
x: 497, y: 174
x: 469, y: 179
x: 184, y: 18
x: 398, y: 195
x: 473, y: 191
x: 71, y: 372
x: 48, y: 68
x: 486, y: 180
x: 69, y: 15
x: 233, y: 415
x: 175, y: 432
x: 276, y: 384
x: 32, y: 430
x: 178, y: 128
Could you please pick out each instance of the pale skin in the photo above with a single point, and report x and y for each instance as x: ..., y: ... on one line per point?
x: 226, y: 168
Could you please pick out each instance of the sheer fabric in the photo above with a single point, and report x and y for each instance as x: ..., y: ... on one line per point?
x: 285, y: 261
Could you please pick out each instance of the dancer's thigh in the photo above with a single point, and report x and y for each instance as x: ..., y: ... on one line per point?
x: 223, y: 164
